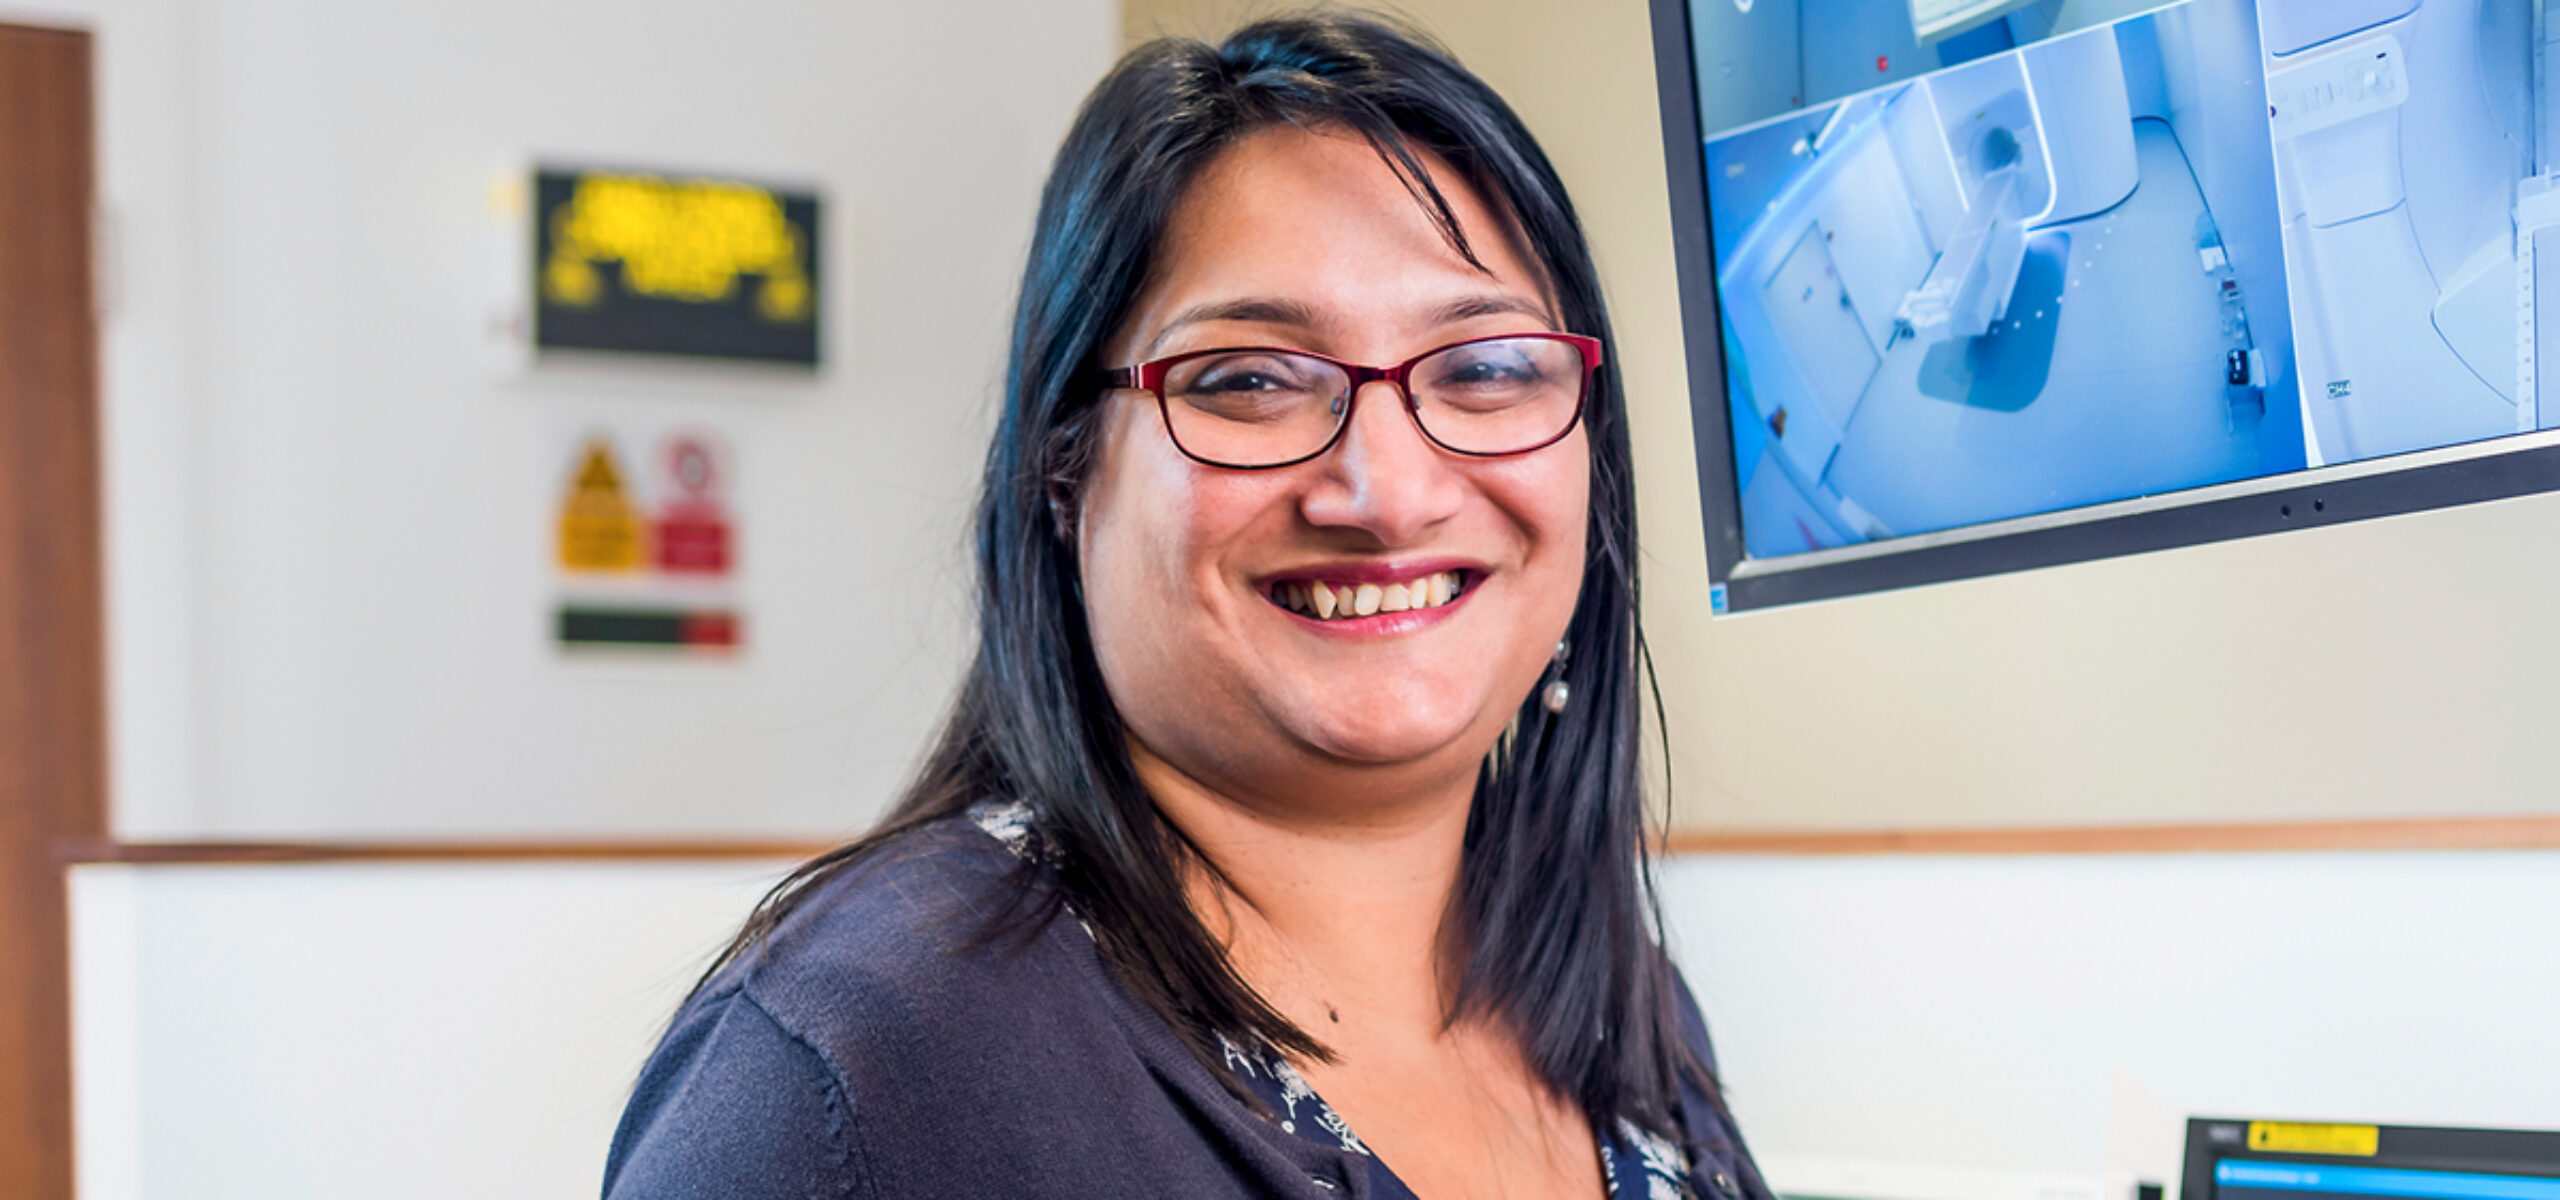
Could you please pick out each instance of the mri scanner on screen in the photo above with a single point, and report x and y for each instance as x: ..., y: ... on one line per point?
x: 1988, y: 260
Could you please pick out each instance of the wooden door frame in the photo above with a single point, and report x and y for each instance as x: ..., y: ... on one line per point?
x: 53, y: 758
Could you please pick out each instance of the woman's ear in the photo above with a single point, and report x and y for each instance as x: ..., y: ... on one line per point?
x: 1062, y: 514
x: 1067, y: 461
x: 1066, y: 522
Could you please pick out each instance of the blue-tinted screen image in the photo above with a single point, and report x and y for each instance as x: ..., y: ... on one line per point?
x: 2239, y: 1179
x: 1988, y: 259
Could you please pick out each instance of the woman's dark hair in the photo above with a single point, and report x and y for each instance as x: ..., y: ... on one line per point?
x: 1555, y: 884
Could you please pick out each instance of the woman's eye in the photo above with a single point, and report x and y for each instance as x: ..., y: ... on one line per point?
x: 1244, y: 375
x: 1508, y: 370
x: 1251, y: 388
x: 1237, y: 381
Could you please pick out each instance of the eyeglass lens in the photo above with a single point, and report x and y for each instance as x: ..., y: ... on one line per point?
x: 1265, y: 407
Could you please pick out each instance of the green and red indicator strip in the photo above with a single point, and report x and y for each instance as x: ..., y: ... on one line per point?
x: 648, y: 627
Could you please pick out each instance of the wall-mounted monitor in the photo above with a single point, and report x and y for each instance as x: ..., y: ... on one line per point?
x: 1971, y: 287
x: 2230, y: 1159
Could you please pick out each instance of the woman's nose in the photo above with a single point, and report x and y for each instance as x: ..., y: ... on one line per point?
x: 1383, y: 475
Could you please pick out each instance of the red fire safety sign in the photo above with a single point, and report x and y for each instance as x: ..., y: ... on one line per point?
x: 693, y: 534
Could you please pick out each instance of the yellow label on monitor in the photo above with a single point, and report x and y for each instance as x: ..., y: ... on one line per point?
x: 2288, y: 1137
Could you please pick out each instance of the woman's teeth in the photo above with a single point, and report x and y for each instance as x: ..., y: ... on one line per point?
x: 1344, y: 601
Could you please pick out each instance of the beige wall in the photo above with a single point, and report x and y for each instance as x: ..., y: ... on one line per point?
x: 2394, y: 667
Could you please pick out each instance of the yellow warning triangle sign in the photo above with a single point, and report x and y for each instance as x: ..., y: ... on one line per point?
x: 597, y: 475
x: 599, y: 531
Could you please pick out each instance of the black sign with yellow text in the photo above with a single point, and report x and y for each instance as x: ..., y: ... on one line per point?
x: 674, y: 264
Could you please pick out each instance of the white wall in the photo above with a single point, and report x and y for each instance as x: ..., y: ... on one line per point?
x: 2061, y: 1016
x: 400, y: 1032
x: 436, y: 1030
x: 329, y: 506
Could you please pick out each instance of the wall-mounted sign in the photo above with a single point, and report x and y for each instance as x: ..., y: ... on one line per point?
x: 593, y: 625
x: 648, y: 558
x: 693, y: 525
x: 599, y: 526
x: 674, y: 264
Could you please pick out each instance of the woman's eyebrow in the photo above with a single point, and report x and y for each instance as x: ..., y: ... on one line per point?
x: 1488, y: 304
x: 1259, y: 310
x: 1265, y: 310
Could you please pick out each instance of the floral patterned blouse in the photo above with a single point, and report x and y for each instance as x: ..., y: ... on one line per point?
x: 1635, y: 1165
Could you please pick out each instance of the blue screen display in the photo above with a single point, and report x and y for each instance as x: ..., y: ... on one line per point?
x: 1981, y: 260
x: 2237, y: 1179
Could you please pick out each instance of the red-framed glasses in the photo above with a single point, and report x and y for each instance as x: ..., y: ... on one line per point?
x: 1260, y: 407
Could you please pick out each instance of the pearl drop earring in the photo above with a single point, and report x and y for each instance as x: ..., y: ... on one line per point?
x: 1556, y: 694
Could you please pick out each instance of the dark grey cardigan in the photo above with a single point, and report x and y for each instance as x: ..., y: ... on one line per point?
x: 870, y: 1048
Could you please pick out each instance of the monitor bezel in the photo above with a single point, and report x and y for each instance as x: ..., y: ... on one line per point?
x: 2352, y: 492
x: 2413, y: 1147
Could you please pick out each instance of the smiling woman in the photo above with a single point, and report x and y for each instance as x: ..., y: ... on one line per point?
x: 1307, y: 689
